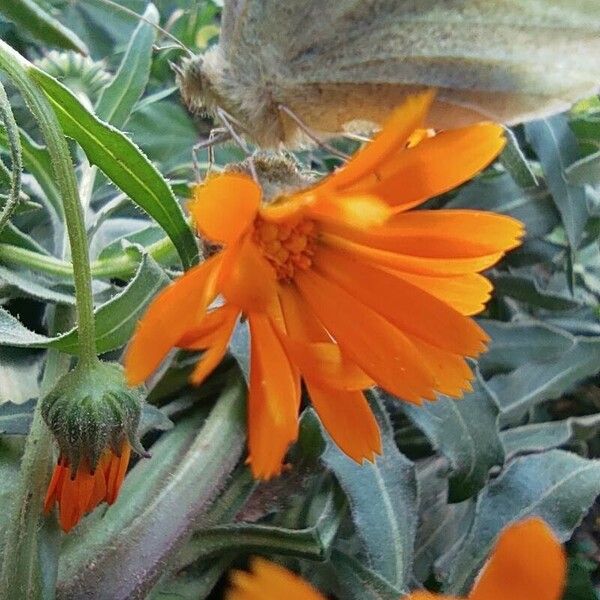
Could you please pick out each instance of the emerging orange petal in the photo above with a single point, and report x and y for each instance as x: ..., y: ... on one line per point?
x: 224, y: 206
x: 273, y: 400
x: 348, y: 419
x: 172, y: 313
x: 269, y: 581
x: 80, y: 493
x: 527, y: 563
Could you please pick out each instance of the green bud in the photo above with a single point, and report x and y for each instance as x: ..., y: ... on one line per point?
x: 90, y: 410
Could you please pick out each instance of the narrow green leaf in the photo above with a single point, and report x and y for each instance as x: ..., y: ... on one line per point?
x: 539, y: 437
x: 465, y: 431
x: 15, y: 419
x: 27, y: 14
x: 359, y: 582
x: 532, y: 383
x: 120, y: 96
x: 383, y: 501
x: 115, y: 320
x: 556, y: 148
x: 19, y: 375
x: 516, y: 343
x: 122, y: 162
x: 557, y: 486
x: 585, y: 171
x: 515, y: 162
x: 30, y: 285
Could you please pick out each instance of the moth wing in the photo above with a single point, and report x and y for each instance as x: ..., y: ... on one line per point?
x: 508, y: 60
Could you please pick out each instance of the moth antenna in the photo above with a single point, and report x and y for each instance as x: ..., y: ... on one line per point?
x: 166, y: 33
x: 302, y: 125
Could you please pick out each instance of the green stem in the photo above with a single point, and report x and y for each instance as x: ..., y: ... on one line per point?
x: 122, y: 266
x: 16, y: 67
x: 14, y: 143
x: 21, y: 575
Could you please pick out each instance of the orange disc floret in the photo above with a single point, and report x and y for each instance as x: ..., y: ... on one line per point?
x: 343, y: 287
x: 79, y: 492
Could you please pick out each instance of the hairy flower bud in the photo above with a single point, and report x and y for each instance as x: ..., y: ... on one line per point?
x: 91, y: 410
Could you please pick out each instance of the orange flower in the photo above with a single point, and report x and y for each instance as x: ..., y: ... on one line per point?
x: 527, y: 563
x: 79, y: 493
x: 341, y: 286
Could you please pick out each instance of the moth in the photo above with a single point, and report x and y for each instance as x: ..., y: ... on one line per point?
x: 282, y: 66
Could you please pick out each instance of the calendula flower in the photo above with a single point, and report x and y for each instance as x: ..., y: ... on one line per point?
x: 94, y: 417
x: 342, y: 286
x: 80, y: 492
x: 527, y: 563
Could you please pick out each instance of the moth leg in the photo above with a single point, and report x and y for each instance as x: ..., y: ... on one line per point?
x: 302, y: 125
x: 216, y: 136
x: 226, y: 118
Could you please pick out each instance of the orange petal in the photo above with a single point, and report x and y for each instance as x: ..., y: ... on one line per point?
x: 527, y: 563
x: 273, y: 400
x: 436, y: 165
x: 348, y: 419
x: 409, y: 308
x: 452, y: 233
x: 207, y: 330
x: 118, y: 468
x: 225, y: 206
x: 380, y: 349
x: 269, y: 581
x: 174, y: 311
x: 365, y: 246
x: 249, y: 281
x: 56, y: 483
x: 214, y: 354
x: 356, y: 211
x: 390, y: 142
x: 429, y: 596
x: 467, y: 293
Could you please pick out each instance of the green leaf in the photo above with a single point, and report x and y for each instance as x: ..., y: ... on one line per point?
x: 533, y: 383
x: 28, y: 15
x: 556, y: 148
x: 19, y: 375
x: 557, y: 486
x: 11, y: 450
x: 518, y: 342
x: 115, y: 320
x: 15, y: 419
x: 29, y: 284
x: 538, y: 437
x: 522, y: 286
x: 359, y: 582
x: 122, y: 162
x: 515, y: 162
x: 120, y: 96
x: 585, y: 171
x: 383, y: 501
x: 465, y: 431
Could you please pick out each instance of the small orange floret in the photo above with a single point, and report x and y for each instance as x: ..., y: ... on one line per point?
x: 79, y: 493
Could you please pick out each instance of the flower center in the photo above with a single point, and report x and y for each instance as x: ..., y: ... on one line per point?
x: 287, y: 246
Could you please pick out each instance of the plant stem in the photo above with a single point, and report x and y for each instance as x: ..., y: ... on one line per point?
x: 17, y: 69
x: 21, y: 575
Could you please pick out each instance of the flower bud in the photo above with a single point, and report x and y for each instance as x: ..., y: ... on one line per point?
x: 94, y: 417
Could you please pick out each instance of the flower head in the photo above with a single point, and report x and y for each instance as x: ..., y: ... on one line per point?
x: 527, y: 563
x: 94, y: 417
x: 341, y: 285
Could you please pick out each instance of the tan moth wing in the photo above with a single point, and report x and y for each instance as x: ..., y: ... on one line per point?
x: 337, y: 62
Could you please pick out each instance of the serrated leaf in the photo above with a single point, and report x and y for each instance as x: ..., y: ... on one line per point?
x: 532, y: 383
x: 557, y: 486
x: 115, y: 320
x: 15, y: 419
x: 518, y: 342
x: 383, y: 502
x: 465, y: 431
x: 556, y: 148
x: 27, y: 14
x: 122, y: 162
x: 120, y: 96
x: 538, y: 437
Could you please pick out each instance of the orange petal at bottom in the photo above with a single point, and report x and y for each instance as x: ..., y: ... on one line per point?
x: 349, y: 420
